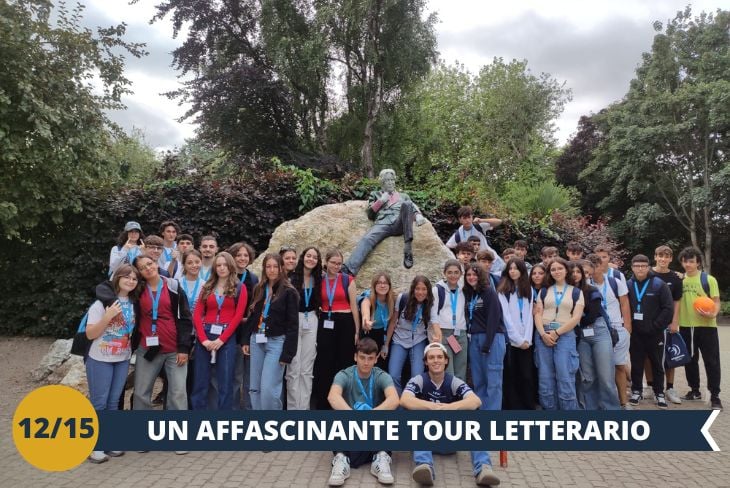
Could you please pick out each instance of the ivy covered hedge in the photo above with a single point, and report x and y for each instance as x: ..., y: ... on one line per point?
x: 51, y: 273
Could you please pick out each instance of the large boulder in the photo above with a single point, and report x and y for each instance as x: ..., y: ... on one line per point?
x: 57, y: 354
x: 341, y: 225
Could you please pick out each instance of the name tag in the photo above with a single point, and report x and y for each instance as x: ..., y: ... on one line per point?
x: 553, y: 326
x: 152, y: 341
x: 309, y: 320
x: 329, y: 324
x: 638, y: 316
x: 588, y: 332
x: 457, y: 332
x: 261, y: 338
x: 216, y: 329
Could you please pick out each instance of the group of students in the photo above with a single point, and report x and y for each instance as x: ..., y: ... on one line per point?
x: 557, y: 334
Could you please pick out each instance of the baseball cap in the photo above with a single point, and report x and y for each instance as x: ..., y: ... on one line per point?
x: 132, y: 225
x: 434, y: 345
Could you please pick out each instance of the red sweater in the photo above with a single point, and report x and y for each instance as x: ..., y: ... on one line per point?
x: 206, y: 311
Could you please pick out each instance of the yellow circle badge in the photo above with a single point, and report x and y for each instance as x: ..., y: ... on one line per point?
x: 55, y: 428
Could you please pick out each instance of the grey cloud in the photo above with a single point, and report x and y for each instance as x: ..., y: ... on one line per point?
x: 158, y: 130
x: 600, y: 60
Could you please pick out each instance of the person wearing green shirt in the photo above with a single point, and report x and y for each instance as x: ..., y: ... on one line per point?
x: 699, y: 328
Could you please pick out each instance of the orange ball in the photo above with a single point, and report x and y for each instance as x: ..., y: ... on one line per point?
x: 704, y: 304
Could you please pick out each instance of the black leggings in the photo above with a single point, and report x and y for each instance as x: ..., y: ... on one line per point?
x: 335, y: 352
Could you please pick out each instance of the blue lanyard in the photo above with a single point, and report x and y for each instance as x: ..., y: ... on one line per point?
x: 604, y: 300
x: 265, y: 313
x: 381, y: 313
x: 417, y: 317
x: 244, y: 275
x: 155, y: 304
x: 308, y: 296
x: 640, y: 296
x: 472, y: 306
x: 368, y: 399
x: 128, y: 313
x: 331, y: 293
x: 205, y: 274
x: 132, y: 254
x: 464, y: 235
x: 219, y: 299
x: 192, y: 297
x: 559, y: 301
x: 521, y: 305
x: 168, y: 254
x: 534, y: 294
x: 454, y: 298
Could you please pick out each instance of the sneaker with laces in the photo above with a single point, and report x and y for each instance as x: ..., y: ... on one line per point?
x: 114, y: 453
x: 673, y: 396
x: 486, y: 477
x: 693, y: 395
x: 340, y: 470
x: 423, y: 475
x: 715, y: 403
x: 626, y: 406
x: 380, y: 468
x: 180, y: 453
x: 661, y: 402
x: 635, y: 397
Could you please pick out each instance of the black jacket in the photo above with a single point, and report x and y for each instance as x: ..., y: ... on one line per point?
x: 487, y: 316
x: 656, y: 305
x: 283, y: 320
x: 179, y: 302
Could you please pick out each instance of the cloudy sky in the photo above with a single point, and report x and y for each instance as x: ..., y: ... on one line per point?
x: 594, y: 46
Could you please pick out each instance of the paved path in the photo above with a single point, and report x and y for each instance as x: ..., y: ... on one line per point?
x: 311, y: 469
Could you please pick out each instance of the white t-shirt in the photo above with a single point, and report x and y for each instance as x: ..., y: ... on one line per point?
x: 610, y: 300
x: 444, y: 318
x: 114, y: 344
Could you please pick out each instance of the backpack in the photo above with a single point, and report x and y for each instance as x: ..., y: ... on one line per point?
x: 613, y: 283
x: 441, y: 291
x: 362, y: 296
x: 575, y: 295
x: 81, y: 343
x: 705, y: 281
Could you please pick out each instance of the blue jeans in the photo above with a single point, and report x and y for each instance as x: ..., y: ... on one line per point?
x: 556, y: 368
x: 225, y: 365
x: 478, y: 459
x: 486, y: 369
x: 106, y: 382
x: 266, y: 373
x: 598, y: 384
x: 397, y: 358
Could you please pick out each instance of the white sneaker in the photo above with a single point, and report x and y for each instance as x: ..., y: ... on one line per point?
x: 98, y: 457
x: 380, y: 468
x: 340, y: 470
x: 180, y: 453
x: 673, y: 396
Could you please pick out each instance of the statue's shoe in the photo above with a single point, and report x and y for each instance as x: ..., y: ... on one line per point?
x: 408, y: 260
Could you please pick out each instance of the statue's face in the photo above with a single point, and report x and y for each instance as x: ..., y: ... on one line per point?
x: 388, y: 182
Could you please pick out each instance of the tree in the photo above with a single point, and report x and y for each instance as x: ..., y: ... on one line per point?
x: 473, y: 134
x: 667, y: 142
x: 235, y: 93
x: 384, y: 47
x: 53, y: 129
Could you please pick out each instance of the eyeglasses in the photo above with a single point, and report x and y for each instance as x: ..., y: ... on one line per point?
x: 287, y: 248
x: 154, y: 248
x: 333, y: 263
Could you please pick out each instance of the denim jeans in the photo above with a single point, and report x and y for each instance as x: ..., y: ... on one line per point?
x: 241, y: 376
x: 486, y: 369
x: 266, y: 373
x: 300, y: 371
x: 597, y: 378
x: 225, y: 364
x: 106, y: 382
x: 145, y: 374
x: 397, y: 358
x: 478, y: 459
x: 556, y: 368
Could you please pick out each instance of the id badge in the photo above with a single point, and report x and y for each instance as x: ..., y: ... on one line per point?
x: 638, y: 316
x: 588, y: 332
x: 553, y: 326
x: 305, y: 323
x: 261, y: 338
x: 329, y: 324
x: 152, y: 341
x: 216, y: 329
x: 457, y: 332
